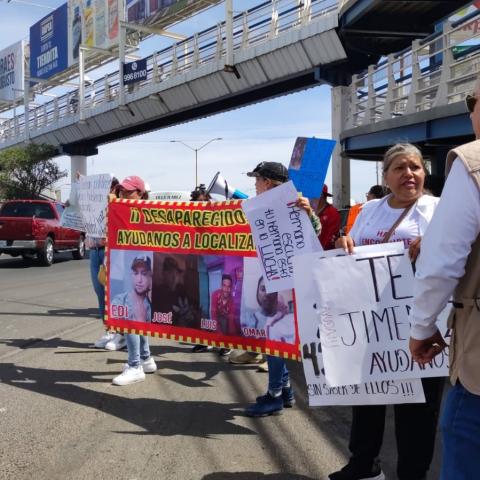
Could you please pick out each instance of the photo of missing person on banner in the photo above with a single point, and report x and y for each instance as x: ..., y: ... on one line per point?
x: 221, y: 281
x: 265, y: 315
x: 131, y: 285
x: 175, y: 298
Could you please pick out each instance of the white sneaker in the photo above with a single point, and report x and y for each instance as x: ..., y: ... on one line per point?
x: 149, y: 365
x: 101, y: 342
x: 116, y: 343
x: 129, y: 375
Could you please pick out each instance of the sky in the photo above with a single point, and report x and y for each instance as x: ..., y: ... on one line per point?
x: 261, y: 132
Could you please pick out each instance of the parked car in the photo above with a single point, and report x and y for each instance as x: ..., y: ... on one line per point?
x: 32, y: 227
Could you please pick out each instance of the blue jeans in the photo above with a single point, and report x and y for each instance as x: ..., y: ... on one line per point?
x: 96, y: 259
x: 138, y: 348
x: 278, y: 377
x: 460, y: 427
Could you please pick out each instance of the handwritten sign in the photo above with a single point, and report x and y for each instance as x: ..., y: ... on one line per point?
x: 280, y: 230
x: 364, y: 313
x: 90, y: 198
x: 381, y: 392
x: 72, y: 216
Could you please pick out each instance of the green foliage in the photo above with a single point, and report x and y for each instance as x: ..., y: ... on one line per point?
x: 27, y: 171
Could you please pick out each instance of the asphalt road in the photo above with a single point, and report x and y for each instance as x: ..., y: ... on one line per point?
x: 61, y: 418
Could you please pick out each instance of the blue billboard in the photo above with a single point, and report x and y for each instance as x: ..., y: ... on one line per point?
x: 49, y: 44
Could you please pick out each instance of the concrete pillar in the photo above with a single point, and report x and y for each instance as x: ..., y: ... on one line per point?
x: 340, y: 164
x: 78, y: 163
x: 438, y: 160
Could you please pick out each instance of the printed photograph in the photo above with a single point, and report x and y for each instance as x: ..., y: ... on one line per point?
x: 297, y: 154
x: 131, y: 285
x: 175, y: 298
x: 221, y: 280
x: 265, y: 315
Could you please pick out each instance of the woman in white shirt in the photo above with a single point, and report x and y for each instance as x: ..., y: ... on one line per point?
x: 401, y: 216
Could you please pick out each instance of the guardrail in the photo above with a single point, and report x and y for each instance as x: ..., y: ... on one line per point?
x: 250, y: 28
x: 438, y: 70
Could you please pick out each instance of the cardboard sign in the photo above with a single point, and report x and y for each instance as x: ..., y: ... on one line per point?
x: 280, y: 230
x: 319, y: 392
x: 364, y: 308
x: 72, y: 216
x: 89, y: 198
x: 309, y: 164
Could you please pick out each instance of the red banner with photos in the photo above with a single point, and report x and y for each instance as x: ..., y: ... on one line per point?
x: 188, y: 271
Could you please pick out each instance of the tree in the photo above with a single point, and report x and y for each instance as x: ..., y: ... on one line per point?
x: 25, y: 172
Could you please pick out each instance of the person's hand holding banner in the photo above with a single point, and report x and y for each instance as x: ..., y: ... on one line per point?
x: 423, y: 351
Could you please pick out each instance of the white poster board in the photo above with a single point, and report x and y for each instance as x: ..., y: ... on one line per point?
x: 319, y: 393
x: 280, y: 231
x: 91, y: 201
x: 364, y: 313
x: 72, y: 216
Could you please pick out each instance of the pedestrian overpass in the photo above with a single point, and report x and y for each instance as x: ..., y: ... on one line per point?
x: 415, y: 95
x: 276, y: 48
x: 279, y: 47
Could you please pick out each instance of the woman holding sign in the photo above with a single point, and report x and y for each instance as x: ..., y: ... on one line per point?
x: 401, y: 216
x: 269, y: 175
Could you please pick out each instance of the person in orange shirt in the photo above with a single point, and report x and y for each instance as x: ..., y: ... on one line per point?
x: 376, y: 191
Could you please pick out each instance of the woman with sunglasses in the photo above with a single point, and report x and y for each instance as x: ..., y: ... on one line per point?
x: 401, y: 216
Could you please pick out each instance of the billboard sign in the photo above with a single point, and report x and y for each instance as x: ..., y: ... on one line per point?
x: 134, y: 72
x: 49, y: 44
x: 12, y: 72
x: 161, y: 11
x: 93, y: 23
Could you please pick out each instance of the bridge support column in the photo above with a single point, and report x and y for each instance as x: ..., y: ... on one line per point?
x: 438, y: 160
x: 340, y: 164
x: 78, y: 163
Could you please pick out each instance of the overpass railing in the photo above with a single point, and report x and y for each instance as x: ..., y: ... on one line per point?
x: 250, y: 28
x: 438, y: 70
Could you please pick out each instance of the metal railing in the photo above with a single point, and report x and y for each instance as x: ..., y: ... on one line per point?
x: 438, y: 70
x: 250, y: 28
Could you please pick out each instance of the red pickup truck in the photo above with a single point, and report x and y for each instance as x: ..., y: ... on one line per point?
x: 32, y: 227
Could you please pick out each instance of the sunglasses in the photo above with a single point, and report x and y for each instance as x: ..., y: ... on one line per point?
x: 470, y: 102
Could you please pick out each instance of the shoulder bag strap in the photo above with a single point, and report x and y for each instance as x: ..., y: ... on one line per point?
x: 387, y: 236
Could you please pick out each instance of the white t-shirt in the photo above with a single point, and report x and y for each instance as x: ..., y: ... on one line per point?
x: 383, y: 220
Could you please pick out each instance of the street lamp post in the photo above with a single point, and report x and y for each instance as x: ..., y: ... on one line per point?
x: 196, y: 150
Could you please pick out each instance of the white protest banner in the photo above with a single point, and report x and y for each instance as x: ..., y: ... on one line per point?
x: 319, y: 393
x: 364, y: 326
x: 91, y: 200
x: 71, y: 216
x: 93, y: 193
x: 280, y: 231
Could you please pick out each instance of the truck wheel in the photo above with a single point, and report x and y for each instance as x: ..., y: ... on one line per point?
x: 79, y: 253
x: 45, y: 256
